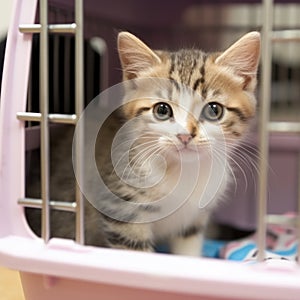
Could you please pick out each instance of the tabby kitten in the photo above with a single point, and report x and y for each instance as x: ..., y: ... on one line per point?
x: 164, y: 155
x: 183, y: 113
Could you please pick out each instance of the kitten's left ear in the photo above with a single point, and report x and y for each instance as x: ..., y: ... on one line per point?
x: 243, y: 56
x: 135, y: 56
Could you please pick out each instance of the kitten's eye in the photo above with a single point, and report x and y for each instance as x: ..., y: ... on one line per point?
x: 162, y: 111
x: 212, y: 111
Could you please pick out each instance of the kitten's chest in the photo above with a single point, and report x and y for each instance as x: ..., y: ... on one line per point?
x: 189, y: 192
x: 192, y: 181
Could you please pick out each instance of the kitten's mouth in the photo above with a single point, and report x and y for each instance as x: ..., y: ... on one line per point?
x: 187, y: 149
x: 192, y: 149
x: 186, y: 153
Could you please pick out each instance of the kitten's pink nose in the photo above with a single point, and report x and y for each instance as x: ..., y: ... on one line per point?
x: 184, y: 138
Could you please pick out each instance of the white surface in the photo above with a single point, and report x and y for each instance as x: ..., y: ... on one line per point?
x: 5, y: 15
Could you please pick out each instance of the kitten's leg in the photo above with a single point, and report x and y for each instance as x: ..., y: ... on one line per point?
x: 189, y: 243
x: 128, y: 236
x: 190, y: 240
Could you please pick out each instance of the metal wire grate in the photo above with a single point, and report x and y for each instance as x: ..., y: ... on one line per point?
x: 45, y: 115
x: 269, y: 37
x: 44, y: 118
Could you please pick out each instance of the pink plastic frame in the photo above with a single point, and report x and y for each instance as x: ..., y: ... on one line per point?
x: 62, y: 269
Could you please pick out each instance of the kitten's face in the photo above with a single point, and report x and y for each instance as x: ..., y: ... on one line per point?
x: 189, y: 101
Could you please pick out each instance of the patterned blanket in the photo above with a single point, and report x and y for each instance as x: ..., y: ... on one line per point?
x: 281, y: 243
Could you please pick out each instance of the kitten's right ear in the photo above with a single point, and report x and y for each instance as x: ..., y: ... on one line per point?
x: 135, y: 56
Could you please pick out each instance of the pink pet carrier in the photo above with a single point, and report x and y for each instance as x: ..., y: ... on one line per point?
x: 65, y: 269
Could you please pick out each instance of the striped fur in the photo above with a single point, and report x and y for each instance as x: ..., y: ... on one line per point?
x: 195, y: 83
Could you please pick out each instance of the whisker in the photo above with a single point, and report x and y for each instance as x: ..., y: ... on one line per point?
x: 249, y: 154
x: 139, y: 145
x: 246, y: 149
x: 252, y: 152
x: 217, y: 155
x: 137, y: 158
x: 250, y: 164
x: 157, y: 151
x: 220, y: 158
x: 115, y: 148
x: 244, y: 144
x: 252, y: 159
x: 236, y: 164
x: 126, y: 153
x: 144, y: 136
x: 152, y: 151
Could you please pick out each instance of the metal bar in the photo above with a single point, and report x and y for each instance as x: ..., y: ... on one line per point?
x: 29, y: 116
x: 62, y: 28
x: 53, y: 118
x: 288, y: 127
x: 61, y: 118
x: 56, y: 205
x: 66, y: 74
x: 263, y: 130
x: 30, y: 28
x: 90, y: 62
x: 44, y: 100
x: 292, y: 35
x: 99, y: 45
x: 281, y: 220
x: 29, y: 92
x: 53, y: 28
x: 298, y: 213
x: 56, y: 76
x: 79, y: 103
